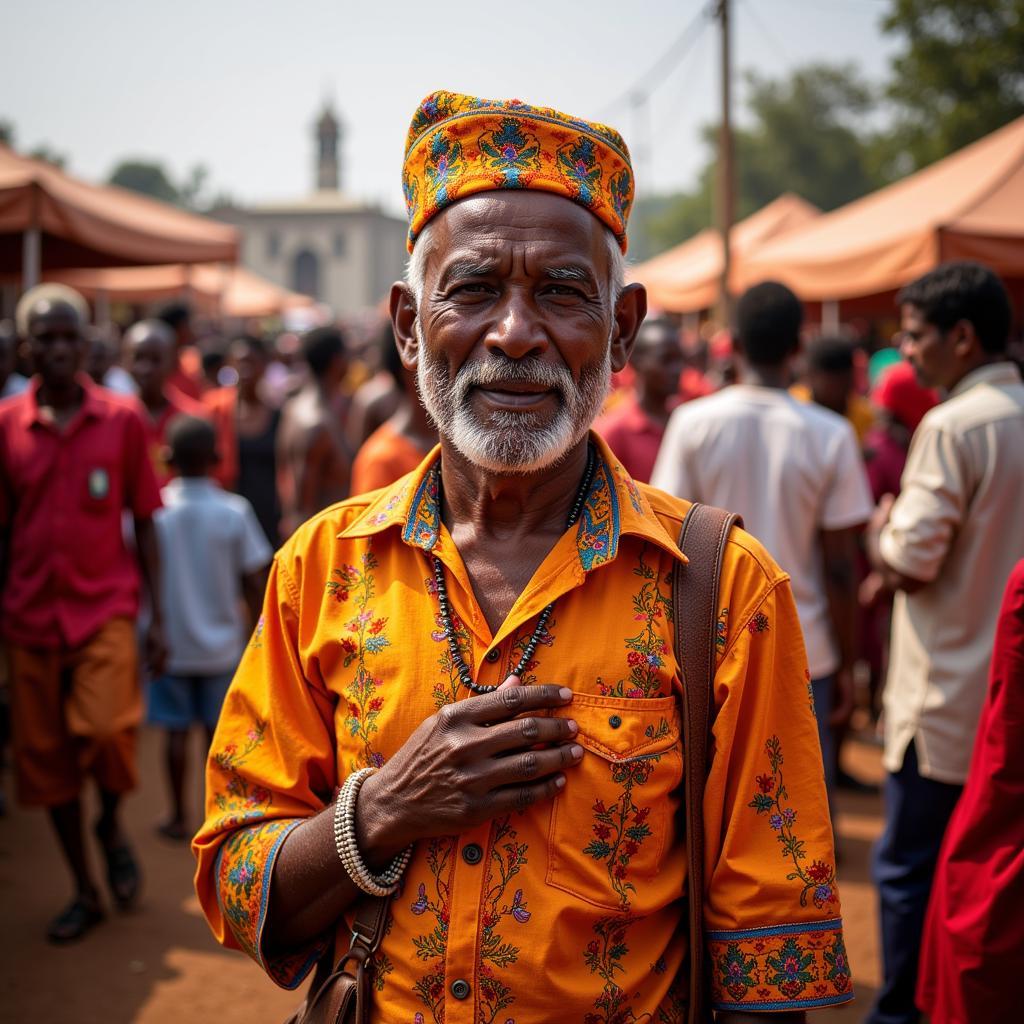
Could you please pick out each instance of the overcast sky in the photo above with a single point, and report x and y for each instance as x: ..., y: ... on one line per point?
x: 237, y: 84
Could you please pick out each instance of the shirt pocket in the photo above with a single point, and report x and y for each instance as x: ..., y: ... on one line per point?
x: 610, y: 825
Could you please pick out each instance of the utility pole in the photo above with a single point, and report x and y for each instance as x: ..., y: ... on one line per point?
x: 726, y: 192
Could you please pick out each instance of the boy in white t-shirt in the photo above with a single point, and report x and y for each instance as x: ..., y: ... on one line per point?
x: 213, y: 555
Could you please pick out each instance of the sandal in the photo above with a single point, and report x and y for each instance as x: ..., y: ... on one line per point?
x: 123, y: 874
x: 77, y: 918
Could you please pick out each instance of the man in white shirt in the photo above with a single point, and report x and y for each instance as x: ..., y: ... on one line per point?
x: 214, y: 555
x: 793, y: 471
x: 946, y: 546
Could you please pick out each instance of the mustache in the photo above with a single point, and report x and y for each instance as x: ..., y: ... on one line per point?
x: 532, y: 371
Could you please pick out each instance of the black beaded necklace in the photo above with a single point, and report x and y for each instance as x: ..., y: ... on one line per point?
x: 465, y: 675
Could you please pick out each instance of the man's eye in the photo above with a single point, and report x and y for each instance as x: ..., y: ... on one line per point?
x: 563, y: 289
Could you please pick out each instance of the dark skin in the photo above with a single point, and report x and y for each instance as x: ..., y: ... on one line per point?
x: 488, y: 291
x: 941, y: 359
x: 151, y: 359
x: 57, y: 344
x: 658, y: 361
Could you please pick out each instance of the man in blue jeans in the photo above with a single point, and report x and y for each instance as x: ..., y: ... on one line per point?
x: 946, y: 546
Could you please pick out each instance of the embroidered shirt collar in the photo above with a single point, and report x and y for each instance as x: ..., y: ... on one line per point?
x: 614, y: 506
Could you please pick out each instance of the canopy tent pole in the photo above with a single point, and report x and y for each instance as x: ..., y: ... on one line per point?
x: 830, y: 316
x: 32, y: 247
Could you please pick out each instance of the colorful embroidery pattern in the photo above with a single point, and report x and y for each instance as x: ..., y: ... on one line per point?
x: 364, y: 635
x: 511, y: 152
x: 518, y: 646
x: 597, y: 536
x: 446, y: 689
x: 818, y: 878
x: 239, y: 801
x: 507, y: 857
x: 758, y: 623
x: 604, y: 956
x: 788, y: 966
x: 517, y: 146
x: 722, y: 631
x: 621, y: 829
x: 423, y: 524
x: 432, y: 946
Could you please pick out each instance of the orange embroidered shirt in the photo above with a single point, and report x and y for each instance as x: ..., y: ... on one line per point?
x: 570, y: 909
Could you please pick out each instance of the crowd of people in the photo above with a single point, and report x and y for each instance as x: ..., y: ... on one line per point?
x: 169, y: 462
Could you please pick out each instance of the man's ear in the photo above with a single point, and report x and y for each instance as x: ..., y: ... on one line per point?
x: 964, y: 338
x: 402, y: 305
x: 630, y: 311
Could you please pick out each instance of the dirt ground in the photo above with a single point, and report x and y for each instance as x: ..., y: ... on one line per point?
x: 160, y: 962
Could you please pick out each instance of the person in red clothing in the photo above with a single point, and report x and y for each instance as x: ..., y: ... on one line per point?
x: 634, y: 427
x: 72, y: 459
x: 149, y: 353
x: 974, y: 932
x: 187, y: 369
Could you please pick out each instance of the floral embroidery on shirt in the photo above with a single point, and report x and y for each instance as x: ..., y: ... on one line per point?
x: 647, y: 650
x: 780, y: 967
x: 507, y: 857
x: 621, y: 829
x: 597, y: 536
x: 818, y: 878
x: 722, y: 631
x: 522, y: 638
x: 239, y: 801
x: 604, y: 956
x: 446, y: 689
x: 432, y: 946
x: 363, y: 634
x: 256, y: 640
x: 758, y: 623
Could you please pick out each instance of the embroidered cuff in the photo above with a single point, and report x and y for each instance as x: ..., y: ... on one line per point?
x: 780, y: 967
x: 244, y: 867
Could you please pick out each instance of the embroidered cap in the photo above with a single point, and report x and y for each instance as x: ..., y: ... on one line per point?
x: 459, y: 145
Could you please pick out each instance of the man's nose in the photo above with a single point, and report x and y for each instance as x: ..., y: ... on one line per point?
x: 518, y: 328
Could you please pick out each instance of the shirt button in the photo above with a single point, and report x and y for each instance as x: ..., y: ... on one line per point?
x: 492, y: 655
x: 615, y: 721
x: 472, y: 853
x: 460, y: 989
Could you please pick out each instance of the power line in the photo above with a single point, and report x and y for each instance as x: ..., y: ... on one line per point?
x: 663, y: 66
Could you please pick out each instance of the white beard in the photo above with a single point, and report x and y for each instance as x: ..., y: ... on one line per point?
x: 507, y: 441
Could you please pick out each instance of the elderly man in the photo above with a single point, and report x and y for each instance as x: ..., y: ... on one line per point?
x: 486, y: 649
x: 72, y: 460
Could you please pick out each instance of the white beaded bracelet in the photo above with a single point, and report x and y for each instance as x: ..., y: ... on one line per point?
x: 383, y: 884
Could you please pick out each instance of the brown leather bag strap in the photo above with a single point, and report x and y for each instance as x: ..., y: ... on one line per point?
x: 702, y: 539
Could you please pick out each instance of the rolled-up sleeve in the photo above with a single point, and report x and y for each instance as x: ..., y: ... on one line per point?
x: 772, y: 914
x: 271, y: 766
x: 930, y: 508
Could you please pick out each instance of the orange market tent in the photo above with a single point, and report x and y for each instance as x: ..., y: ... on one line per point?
x: 969, y: 205
x: 213, y: 288
x: 685, y: 279
x: 50, y: 220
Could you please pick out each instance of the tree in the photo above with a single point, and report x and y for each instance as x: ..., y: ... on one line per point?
x: 959, y: 76
x: 804, y: 137
x: 146, y: 177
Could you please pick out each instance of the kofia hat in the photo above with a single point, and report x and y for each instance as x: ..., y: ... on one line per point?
x: 459, y: 145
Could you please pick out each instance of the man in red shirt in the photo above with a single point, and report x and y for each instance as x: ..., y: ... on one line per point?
x: 634, y: 428
x: 186, y: 373
x: 72, y: 459
x: 150, y: 355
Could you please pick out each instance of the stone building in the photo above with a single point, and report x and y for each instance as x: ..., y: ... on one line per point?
x: 343, y: 252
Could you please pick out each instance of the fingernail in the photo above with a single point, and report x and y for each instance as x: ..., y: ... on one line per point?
x: 565, y: 693
x: 577, y: 751
x: 560, y: 781
x: 573, y: 727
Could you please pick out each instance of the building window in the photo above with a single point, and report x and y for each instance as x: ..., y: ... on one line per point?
x: 306, y: 273
x: 339, y: 245
x: 273, y: 245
